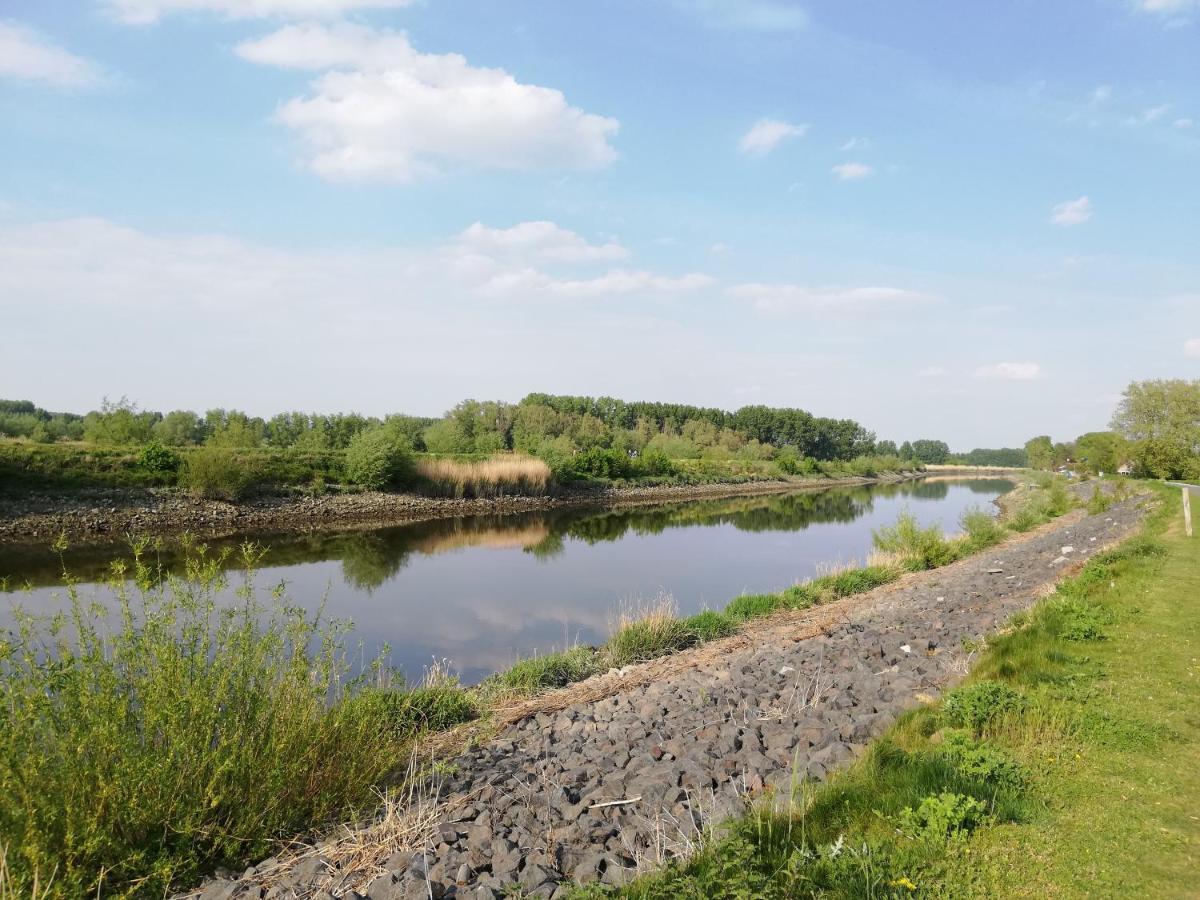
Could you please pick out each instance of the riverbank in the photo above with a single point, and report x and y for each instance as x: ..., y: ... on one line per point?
x: 620, y: 774
x: 106, y: 514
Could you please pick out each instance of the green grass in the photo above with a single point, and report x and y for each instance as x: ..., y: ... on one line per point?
x: 1068, y: 765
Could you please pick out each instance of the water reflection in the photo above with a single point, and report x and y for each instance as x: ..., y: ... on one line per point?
x: 486, y: 589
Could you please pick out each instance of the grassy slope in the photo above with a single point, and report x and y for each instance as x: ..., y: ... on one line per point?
x: 1106, y: 800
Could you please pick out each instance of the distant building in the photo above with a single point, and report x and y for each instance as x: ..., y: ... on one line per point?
x: 1125, y: 469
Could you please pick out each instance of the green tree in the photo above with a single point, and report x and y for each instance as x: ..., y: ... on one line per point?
x: 119, y: 424
x: 178, y: 428
x: 930, y: 452
x: 378, y: 459
x: 1039, y: 451
x: 1100, y: 451
x: 448, y: 436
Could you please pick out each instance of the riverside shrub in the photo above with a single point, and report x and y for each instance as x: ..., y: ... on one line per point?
x: 218, y: 474
x: 378, y: 459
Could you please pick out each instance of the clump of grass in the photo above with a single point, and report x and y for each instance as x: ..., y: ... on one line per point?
x: 752, y: 606
x: 1099, y: 502
x: 982, y: 759
x: 496, y: 477
x: 920, y: 548
x: 710, y: 625
x: 647, y: 632
x: 146, y: 741
x: 543, y: 673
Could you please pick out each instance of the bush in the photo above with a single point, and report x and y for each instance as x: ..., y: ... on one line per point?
x: 981, y: 527
x: 145, y: 743
x: 979, y: 759
x: 218, y: 474
x: 920, y: 548
x: 156, y: 458
x: 710, y: 625
x: 975, y: 705
x: 1099, y: 502
x: 378, y: 459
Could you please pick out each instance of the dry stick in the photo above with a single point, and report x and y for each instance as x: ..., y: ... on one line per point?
x: 1187, y: 510
x: 614, y: 803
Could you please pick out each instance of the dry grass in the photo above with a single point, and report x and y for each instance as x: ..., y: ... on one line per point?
x: 496, y: 477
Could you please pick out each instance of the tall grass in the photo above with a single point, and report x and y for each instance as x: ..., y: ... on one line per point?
x: 496, y: 477
x: 150, y: 738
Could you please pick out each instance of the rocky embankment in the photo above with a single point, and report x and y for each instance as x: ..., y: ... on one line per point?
x: 601, y: 788
x: 107, y: 514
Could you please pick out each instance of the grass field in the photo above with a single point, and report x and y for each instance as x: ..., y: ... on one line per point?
x: 1068, y: 765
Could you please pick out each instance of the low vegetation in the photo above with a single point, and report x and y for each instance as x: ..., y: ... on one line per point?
x: 502, y: 476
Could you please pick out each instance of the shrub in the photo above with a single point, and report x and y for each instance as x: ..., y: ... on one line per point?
x: 981, y: 527
x: 154, y: 457
x: 975, y: 705
x: 654, y: 463
x: 941, y: 817
x: 710, y: 625
x: 601, y: 463
x: 172, y: 732
x: 920, y: 548
x: 218, y: 474
x: 378, y: 459
x: 1099, y: 502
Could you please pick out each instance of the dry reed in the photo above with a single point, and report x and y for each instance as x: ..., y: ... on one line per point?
x: 496, y: 477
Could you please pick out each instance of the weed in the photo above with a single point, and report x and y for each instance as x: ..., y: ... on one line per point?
x: 553, y: 670
x: 648, y: 632
x: 751, y: 606
x: 710, y: 625
x: 977, y: 704
x: 941, y: 817
x: 920, y: 548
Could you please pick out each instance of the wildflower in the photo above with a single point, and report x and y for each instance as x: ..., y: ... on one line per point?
x: 904, y: 882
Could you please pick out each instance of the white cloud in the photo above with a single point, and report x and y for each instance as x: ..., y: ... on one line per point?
x: 1072, y: 212
x: 1182, y: 124
x: 1101, y: 95
x: 856, y: 143
x: 27, y: 56
x: 1149, y: 116
x: 1013, y: 371
x: 97, y: 262
x: 752, y: 15
x: 1165, y: 6
x: 852, y: 171
x: 387, y: 112
x: 933, y: 372
x: 766, y: 134
x: 1192, y: 347
x: 783, y: 298
x: 145, y: 12
x: 543, y: 241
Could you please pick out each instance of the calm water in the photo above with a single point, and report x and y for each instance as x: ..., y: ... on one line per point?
x: 483, y: 591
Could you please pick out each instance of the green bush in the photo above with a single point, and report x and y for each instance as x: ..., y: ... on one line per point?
x: 710, y: 625
x: 981, y: 527
x: 979, y: 703
x: 378, y: 459
x: 147, y: 742
x: 1099, y: 502
x: 159, y: 459
x: 980, y: 759
x: 218, y: 474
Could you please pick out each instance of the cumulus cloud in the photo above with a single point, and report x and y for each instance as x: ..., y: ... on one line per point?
x: 145, y: 12
x: 386, y: 112
x: 751, y: 15
x: 26, y: 55
x: 1012, y: 371
x: 1192, y: 347
x: 1072, y: 212
x: 767, y: 134
x: 784, y: 298
x: 852, y: 171
x: 544, y: 241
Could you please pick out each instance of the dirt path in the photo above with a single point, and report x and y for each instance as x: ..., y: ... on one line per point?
x: 613, y: 776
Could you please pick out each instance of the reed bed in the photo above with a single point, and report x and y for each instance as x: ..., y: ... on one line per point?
x: 497, y: 477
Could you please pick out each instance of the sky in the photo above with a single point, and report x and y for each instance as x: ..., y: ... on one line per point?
x: 976, y: 226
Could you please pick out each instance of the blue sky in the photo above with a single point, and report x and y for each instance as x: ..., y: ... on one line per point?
x: 976, y: 226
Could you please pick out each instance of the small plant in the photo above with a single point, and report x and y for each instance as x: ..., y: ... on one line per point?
x: 751, y: 606
x: 553, y: 670
x: 981, y: 528
x: 378, y: 459
x: 941, y: 817
x: 432, y: 707
x: 1083, y: 620
x: 975, y: 705
x: 647, y: 633
x: 1099, y: 502
x: 982, y: 760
